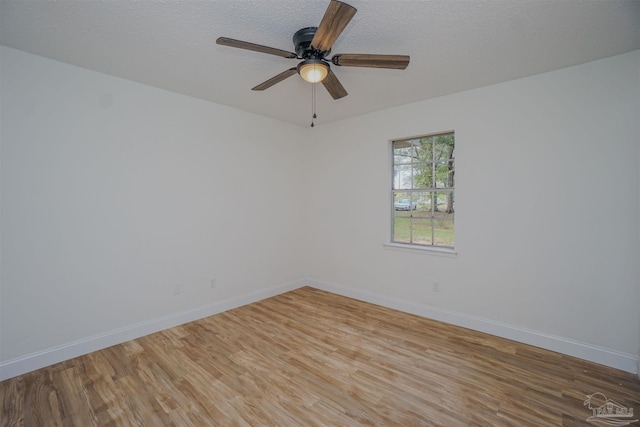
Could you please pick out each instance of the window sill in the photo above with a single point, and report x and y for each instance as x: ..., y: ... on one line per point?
x: 421, y: 249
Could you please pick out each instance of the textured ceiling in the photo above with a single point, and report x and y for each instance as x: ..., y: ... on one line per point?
x: 454, y: 45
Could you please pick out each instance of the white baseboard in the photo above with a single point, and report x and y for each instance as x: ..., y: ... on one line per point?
x: 615, y: 359
x: 603, y: 356
x: 20, y: 365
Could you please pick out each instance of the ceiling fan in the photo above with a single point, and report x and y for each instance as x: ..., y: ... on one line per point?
x: 313, y: 45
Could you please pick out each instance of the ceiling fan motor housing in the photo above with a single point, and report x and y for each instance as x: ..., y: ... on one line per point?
x: 302, y: 42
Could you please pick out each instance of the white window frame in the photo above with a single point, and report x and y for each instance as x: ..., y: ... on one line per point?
x: 411, y: 247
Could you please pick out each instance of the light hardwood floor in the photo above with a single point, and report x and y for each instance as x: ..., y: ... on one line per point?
x: 310, y: 358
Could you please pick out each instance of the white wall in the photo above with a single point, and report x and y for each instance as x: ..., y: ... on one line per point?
x: 547, y: 207
x: 114, y: 192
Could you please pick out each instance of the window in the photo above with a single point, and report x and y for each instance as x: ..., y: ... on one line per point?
x: 423, y: 190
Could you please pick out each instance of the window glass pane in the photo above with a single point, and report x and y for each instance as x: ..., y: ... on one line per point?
x: 445, y: 202
x: 424, y: 175
x: 402, y: 177
x: 401, y: 227
x: 423, y: 204
x: 402, y: 154
x: 443, y: 146
x: 421, y: 228
x: 444, y: 151
x: 440, y: 176
x: 404, y: 202
x: 423, y: 150
x: 444, y: 175
x: 443, y: 231
x: 441, y: 150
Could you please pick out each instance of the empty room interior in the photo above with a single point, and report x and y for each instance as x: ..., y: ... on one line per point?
x: 441, y: 229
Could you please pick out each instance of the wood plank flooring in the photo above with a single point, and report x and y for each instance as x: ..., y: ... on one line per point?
x: 311, y: 358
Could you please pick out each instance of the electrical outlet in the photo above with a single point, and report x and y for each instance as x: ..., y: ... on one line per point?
x: 212, y: 282
x: 436, y: 287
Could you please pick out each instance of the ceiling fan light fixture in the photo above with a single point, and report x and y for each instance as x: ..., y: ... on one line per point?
x: 313, y: 70
x: 313, y: 45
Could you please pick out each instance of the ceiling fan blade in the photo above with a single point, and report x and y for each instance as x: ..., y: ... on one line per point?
x: 397, y: 62
x: 333, y: 86
x: 335, y: 19
x: 225, y: 41
x: 276, y: 79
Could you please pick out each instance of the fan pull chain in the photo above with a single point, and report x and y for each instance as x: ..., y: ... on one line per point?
x: 313, y: 103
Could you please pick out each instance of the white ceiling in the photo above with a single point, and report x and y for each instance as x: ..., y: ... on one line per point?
x: 454, y: 45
